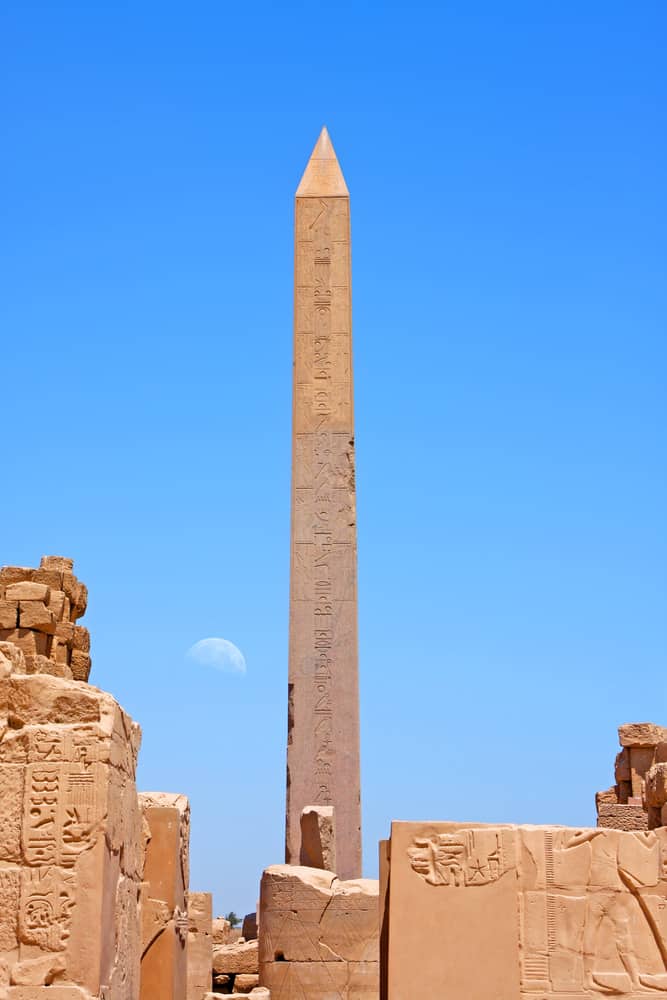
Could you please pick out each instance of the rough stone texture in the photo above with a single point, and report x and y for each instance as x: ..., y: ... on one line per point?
x: 164, y: 920
x: 323, y: 699
x: 318, y: 838
x: 200, y: 944
x: 70, y: 839
x: 318, y: 935
x: 38, y: 611
x: 259, y: 993
x: 525, y: 912
x: 641, y: 734
x: 221, y: 930
x: 245, y: 982
x: 615, y: 816
x: 631, y: 800
x: 232, y: 959
x: 249, y: 927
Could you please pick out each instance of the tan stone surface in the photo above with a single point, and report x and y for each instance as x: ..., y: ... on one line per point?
x: 69, y: 841
x: 245, y: 982
x: 323, y: 713
x: 622, y: 817
x: 38, y: 608
x: 164, y: 919
x: 199, y: 945
x: 318, y: 838
x: 525, y: 912
x: 231, y: 959
x: 221, y: 930
x: 317, y: 933
x: 641, y: 734
x: 249, y: 927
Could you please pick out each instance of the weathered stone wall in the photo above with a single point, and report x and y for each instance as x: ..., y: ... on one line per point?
x: 38, y: 613
x: 318, y: 935
x: 70, y: 836
x: 523, y: 912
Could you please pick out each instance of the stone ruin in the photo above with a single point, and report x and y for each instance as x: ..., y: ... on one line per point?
x: 94, y: 879
x: 639, y: 795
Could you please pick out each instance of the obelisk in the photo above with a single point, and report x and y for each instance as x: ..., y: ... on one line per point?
x: 323, y: 715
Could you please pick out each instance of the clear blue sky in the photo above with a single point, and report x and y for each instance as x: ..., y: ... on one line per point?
x: 507, y: 169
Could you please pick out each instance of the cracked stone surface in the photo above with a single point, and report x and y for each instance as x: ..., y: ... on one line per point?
x: 318, y: 935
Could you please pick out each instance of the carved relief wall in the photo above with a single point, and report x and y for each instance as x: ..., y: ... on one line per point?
x: 536, y: 912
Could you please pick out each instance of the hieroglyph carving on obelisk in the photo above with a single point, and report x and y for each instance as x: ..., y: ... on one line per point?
x: 323, y: 722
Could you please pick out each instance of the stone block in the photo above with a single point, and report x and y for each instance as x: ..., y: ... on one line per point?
x: 245, y: 982
x: 622, y: 766
x: 479, y: 911
x: 200, y: 945
x: 80, y: 665
x: 59, y: 605
x: 36, y: 615
x: 221, y: 930
x: 232, y: 959
x: 313, y: 927
x: 81, y: 638
x: 656, y: 785
x: 318, y: 838
x: 607, y: 797
x: 622, y: 817
x: 32, y: 643
x: 641, y: 759
x: 249, y: 927
x: 9, y: 614
x: 13, y: 657
x: 164, y: 920
x: 14, y: 574
x: 69, y: 843
x: 27, y: 591
x: 641, y: 734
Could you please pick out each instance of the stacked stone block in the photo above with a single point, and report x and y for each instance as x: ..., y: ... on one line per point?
x: 635, y: 801
x: 70, y: 836
x: 39, y: 609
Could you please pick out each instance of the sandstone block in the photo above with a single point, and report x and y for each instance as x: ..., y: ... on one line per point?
x: 68, y: 893
x: 245, y: 982
x: 51, y: 577
x: 26, y: 591
x: 656, y: 785
x: 622, y: 766
x: 36, y: 615
x: 221, y: 930
x: 249, y: 927
x: 164, y: 920
x: 81, y: 638
x: 60, y: 563
x: 232, y: 959
x: 622, y: 817
x: 200, y: 945
x: 15, y: 574
x: 80, y: 665
x: 641, y: 734
x: 318, y: 838
x: 641, y: 759
x: 13, y: 656
x: 59, y: 605
x: 318, y: 933
x: 607, y: 797
x: 32, y: 643
x: 9, y: 614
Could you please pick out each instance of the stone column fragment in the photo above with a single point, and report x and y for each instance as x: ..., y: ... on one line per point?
x: 318, y: 838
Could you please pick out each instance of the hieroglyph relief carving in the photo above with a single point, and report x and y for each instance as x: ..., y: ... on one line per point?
x: 592, y: 903
x: 468, y: 857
